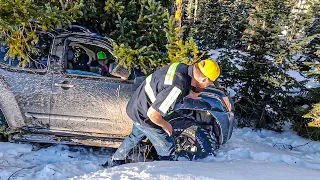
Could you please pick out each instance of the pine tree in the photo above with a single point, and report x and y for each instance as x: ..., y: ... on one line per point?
x: 219, y: 23
x: 314, y: 113
x: 140, y: 35
x: 268, y: 86
x: 257, y: 58
x: 178, y: 49
x: 17, y: 27
x: 310, y: 127
x: 314, y: 94
x: 307, y: 45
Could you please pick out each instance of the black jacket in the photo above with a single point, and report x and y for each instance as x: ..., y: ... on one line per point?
x: 161, y: 90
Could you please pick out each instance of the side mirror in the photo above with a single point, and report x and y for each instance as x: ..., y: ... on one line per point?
x: 119, y: 71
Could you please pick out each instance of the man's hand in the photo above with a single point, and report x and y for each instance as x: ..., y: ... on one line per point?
x: 156, y: 118
x: 194, y: 96
x: 167, y: 128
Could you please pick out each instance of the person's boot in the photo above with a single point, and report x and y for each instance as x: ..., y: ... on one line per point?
x: 113, y: 163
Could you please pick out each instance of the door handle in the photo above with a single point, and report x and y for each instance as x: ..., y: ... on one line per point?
x: 64, y: 85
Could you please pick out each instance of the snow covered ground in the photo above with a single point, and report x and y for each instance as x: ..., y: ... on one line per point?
x: 248, y: 155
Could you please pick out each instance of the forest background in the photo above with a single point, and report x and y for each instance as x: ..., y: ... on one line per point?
x: 260, y: 45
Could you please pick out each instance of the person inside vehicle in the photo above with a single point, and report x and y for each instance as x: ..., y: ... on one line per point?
x: 101, y: 65
x: 153, y: 99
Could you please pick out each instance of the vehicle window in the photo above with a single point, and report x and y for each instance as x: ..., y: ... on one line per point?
x: 91, y: 60
x: 37, y: 57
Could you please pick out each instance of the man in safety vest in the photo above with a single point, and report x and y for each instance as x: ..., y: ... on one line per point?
x: 155, y: 97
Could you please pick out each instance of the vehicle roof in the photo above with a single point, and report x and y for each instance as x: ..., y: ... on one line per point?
x: 75, y: 30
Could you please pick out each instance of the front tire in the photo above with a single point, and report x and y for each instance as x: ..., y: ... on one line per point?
x: 192, y: 141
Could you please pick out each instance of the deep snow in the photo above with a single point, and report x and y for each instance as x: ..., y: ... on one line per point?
x: 244, y: 169
x: 248, y: 155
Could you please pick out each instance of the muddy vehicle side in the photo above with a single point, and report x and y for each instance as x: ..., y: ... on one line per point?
x: 54, y: 104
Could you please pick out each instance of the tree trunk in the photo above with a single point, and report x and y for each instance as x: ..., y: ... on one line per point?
x: 190, y: 9
x: 178, y: 14
x: 195, y: 10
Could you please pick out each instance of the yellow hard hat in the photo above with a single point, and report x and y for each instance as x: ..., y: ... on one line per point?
x: 210, y: 69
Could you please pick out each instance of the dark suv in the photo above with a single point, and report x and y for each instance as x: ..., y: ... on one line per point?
x: 62, y: 96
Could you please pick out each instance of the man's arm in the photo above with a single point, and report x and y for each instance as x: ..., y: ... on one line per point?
x: 156, y: 118
x: 159, y: 108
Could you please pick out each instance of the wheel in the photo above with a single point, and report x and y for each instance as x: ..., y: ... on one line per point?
x: 192, y: 141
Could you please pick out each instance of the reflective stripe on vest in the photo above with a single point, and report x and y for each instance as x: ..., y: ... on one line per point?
x: 171, y: 98
x: 170, y: 74
x: 149, y: 90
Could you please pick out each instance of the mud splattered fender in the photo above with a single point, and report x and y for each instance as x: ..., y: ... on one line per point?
x: 212, y: 103
x: 204, y: 104
x: 9, y: 107
x: 225, y: 123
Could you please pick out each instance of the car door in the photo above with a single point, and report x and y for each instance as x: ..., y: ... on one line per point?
x: 29, y: 85
x: 86, y: 103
